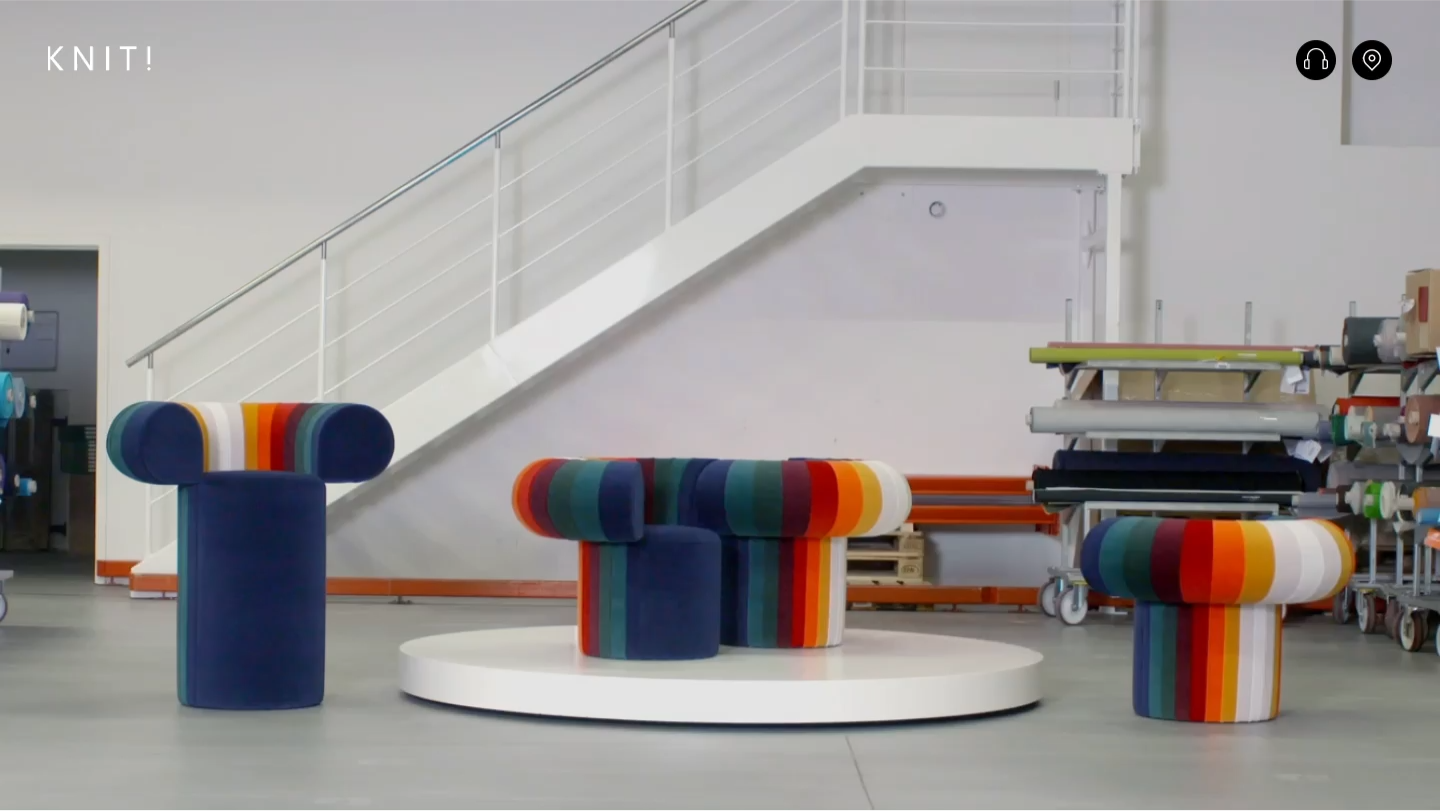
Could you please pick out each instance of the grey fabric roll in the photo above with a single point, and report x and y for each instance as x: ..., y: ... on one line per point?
x: 1292, y: 421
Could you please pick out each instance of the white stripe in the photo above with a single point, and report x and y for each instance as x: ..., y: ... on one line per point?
x: 236, y: 415
x: 1330, y: 582
x: 1265, y: 671
x: 1244, y: 674
x: 1287, y: 562
x: 836, y: 626
x: 1312, y: 563
x: 896, y: 499
x: 215, y: 429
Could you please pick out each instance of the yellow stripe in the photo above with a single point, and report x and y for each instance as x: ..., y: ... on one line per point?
x: 874, y: 499
x: 1259, y: 557
x: 204, y: 436
x: 251, y: 412
x: 1275, y: 688
x: 1230, y: 696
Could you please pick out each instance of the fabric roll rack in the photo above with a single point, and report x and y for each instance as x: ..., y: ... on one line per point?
x: 1144, y: 420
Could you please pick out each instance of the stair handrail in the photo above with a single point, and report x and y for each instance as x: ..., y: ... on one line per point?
x: 493, y: 132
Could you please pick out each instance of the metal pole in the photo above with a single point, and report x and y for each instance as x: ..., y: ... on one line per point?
x: 149, y: 489
x: 860, y: 70
x: 495, y: 239
x: 1249, y: 320
x: 844, y: 54
x: 1069, y: 319
x: 1354, y: 308
x: 670, y: 129
x: 324, y: 292
x: 1114, y: 223
x: 1129, y: 25
x: 1159, y: 321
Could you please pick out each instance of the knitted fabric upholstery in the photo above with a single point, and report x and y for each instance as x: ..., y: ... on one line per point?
x: 602, y: 501
x: 176, y: 443
x: 655, y: 598
x: 782, y: 593
x: 801, y: 499
x: 670, y: 490
x: 1176, y: 560
x: 1212, y: 663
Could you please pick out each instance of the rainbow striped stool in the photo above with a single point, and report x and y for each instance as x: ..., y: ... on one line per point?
x: 784, y: 527
x: 1208, y: 596
x: 646, y: 590
x: 251, y: 547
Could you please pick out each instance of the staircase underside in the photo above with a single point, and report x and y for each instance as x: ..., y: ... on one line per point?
x: 1101, y: 145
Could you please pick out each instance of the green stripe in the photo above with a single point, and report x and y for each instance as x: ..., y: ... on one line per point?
x: 182, y: 571
x: 1112, y: 557
x: 770, y: 552
x: 1169, y: 635
x: 668, y: 475
x: 615, y: 575
x: 1137, y: 558
x: 755, y: 591
x: 740, y: 499
x: 1050, y: 354
x: 559, y: 505
x: 769, y: 499
x: 307, y: 437
x: 115, y: 439
x: 585, y: 501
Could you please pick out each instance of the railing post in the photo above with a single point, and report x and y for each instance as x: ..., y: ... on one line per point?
x: 324, y: 294
x: 844, y: 54
x: 1129, y: 40
x: 670, y: 128
x: 495, y: 240
x: 860, y: 70
x: 149, y: 489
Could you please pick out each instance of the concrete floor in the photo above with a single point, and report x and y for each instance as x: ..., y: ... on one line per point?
x: 88, y: 718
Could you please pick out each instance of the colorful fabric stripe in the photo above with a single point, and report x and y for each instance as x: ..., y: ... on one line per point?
x: 657, y: 598
x: 801, y: 498
x: 176, y: 443
x: 670, y: 490
x: 782, y: 593
x: 1204, y: 562
x: 596, y: 500
x: 1207, y: 663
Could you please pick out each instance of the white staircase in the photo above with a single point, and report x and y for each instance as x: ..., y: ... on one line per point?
x: 460, y: 332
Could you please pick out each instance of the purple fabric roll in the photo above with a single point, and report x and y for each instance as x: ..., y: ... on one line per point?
x: 10, y: 297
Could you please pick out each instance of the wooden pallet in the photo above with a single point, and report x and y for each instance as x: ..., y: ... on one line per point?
x: 897, y: 559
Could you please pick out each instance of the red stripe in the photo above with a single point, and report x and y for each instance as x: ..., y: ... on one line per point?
x: 278, y: 426
x: 1197, y: 562
x: 1199, y: 661
x: 590, y: 603
x: 582, y: 604
x: 824, y: 500
x: 800, y: 598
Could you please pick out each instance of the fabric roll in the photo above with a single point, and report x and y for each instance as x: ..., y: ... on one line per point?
x: 12, y: 297
x: 1279, y: 482
x: 1309, y: 472
x: 801, y: 499
x: 1213, y: 664
x: 1342, y: 474
x: 601, y: 501
x: 9, y: 401
x: 176, y: 443
x: 1082, y: 353
x: 655, y: 599
x: 1188, y: 561
x: 1079, y: 417
x: 21, y: 396
x: 1078, y: 495
x: 1372, y: 341
x: 14, y: 321
x: 1419, y: 408
x: 782, y: 593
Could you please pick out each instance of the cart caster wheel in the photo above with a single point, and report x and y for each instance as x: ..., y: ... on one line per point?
x: 1050, y: 598
x: 1367, y: 613
x: 1340, y: 611
x: 1412, y: 629
x: 4, y: 607
x: 1392, y: 617
x: 1073, y: 605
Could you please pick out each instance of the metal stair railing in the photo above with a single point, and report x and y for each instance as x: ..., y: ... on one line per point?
x: 791, y: 51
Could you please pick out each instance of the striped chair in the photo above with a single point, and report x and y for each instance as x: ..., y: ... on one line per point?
x: 649, y: 586
x: 1208, y: 596
x: 784, y: 527
x: 251, y: 548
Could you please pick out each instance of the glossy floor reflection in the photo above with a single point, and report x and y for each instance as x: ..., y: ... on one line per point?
x: 89, y: 718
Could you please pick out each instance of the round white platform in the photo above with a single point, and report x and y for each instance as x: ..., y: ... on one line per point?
x: 874, y: 676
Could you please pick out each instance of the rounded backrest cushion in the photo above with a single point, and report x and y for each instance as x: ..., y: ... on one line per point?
x: 801, y: 498
x: 1187, y: 561
x: 174, y: 443
x: 670, y: 490
x: 596, y: 500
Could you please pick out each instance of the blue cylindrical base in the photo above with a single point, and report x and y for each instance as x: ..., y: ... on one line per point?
x: 252, y: 591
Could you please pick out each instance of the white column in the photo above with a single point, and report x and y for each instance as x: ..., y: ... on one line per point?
x: 1114, y: 217
x: 324, y: 293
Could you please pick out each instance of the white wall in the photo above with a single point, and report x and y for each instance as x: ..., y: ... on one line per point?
x: 64, y: 282
x: 864, y: 328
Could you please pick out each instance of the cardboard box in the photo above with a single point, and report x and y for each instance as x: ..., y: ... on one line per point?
x: 1421, y: 311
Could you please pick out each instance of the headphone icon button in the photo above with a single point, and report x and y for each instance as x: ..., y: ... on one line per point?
x: 1315, y: 60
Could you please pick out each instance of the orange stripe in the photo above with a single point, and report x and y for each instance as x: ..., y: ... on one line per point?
x: 520, y: 495
x: 1215, y: 663
x: 114, y: 568
x: 264, y: 441
x: 1227, y: 574
x: 204, y: 436
x: 851, y: 499
x: 871, y: 499
x: 582, y: 594
x: 250, y: 412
